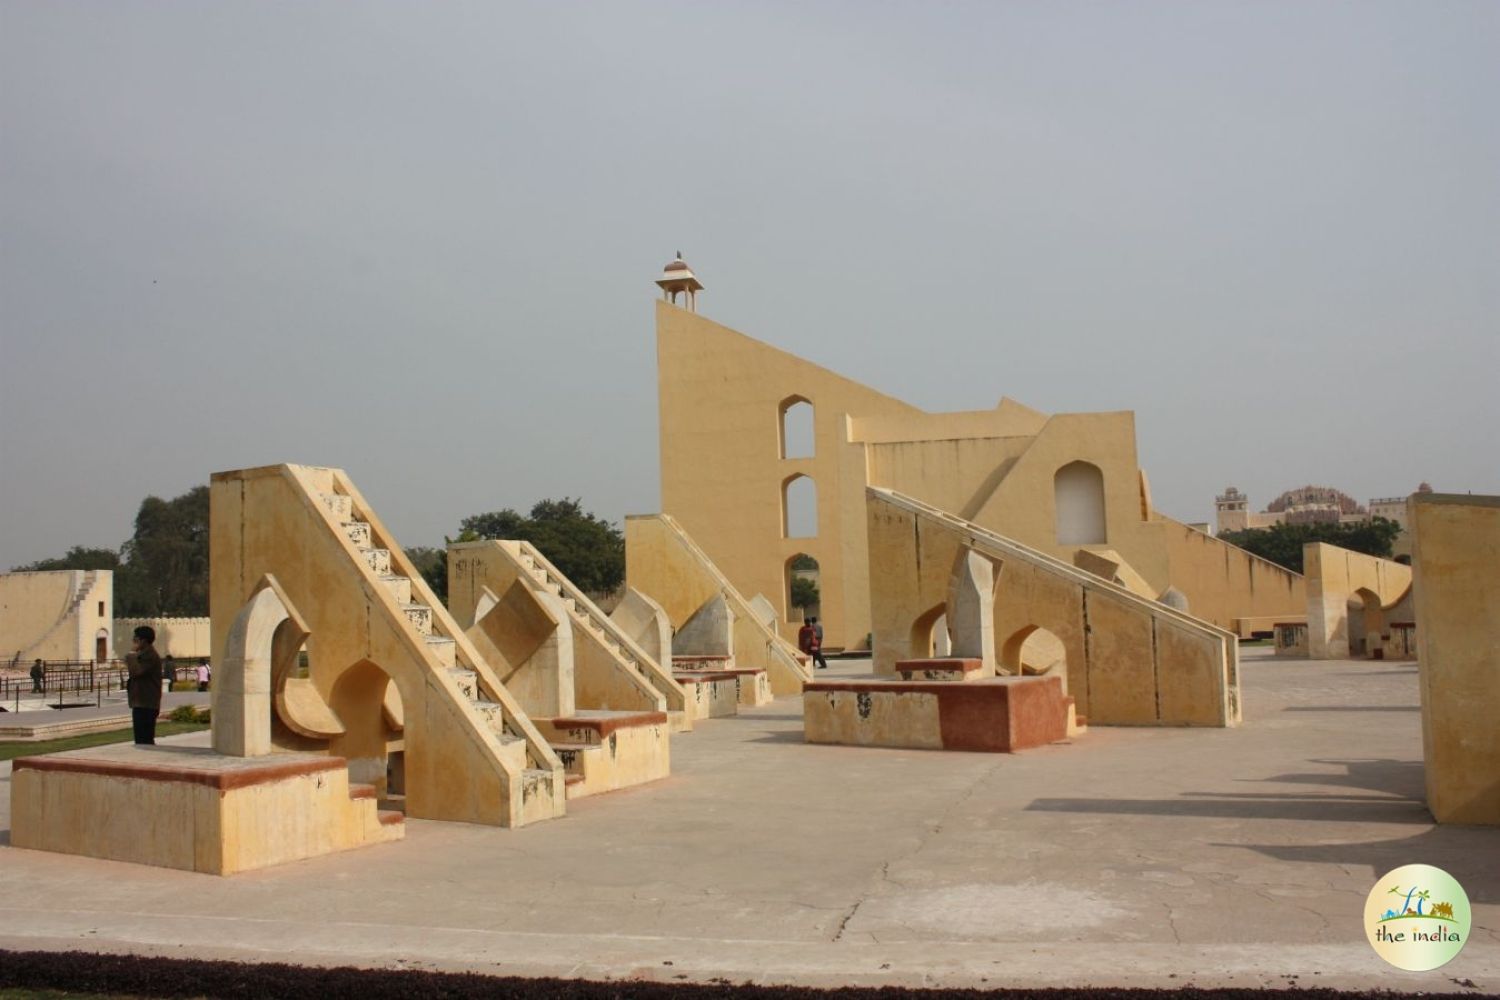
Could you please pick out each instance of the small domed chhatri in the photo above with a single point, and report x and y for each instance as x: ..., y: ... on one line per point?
x: 677, y: 278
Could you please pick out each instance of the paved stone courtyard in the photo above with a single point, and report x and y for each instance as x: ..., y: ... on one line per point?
x: 1131, y: 857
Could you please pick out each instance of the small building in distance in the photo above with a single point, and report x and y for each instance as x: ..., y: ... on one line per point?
x: 1311, y: 505
x: 57, y: 616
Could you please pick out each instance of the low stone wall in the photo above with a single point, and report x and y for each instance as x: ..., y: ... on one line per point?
x: 997, y: 715
x: 192, y: 809
x: 711, y: 694
x: 179, y: 638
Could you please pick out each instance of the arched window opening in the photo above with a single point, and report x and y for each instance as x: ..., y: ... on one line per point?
x: 1078, y: 492
x: 797, y: 428
x: 799, y: 507
x: 1364, y: 618
x: 929, y: 633
x: 804, y: 596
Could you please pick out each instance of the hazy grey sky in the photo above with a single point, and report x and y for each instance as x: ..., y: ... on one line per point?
x: 417, y: 240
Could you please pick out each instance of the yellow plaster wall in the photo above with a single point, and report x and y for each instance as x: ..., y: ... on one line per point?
x: 1333, y: 576
x: 720, y: 394
x: 189, y: 826
x: 1455, y: 554
x: 1129, y: 660
x: 54, y: 614
x: 1224, y: 583
x: 181, y: 638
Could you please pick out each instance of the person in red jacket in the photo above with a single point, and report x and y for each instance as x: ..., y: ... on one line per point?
x: 807, y: 641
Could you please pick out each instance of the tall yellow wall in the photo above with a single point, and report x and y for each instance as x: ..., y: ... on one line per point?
x: 55, y: 614
x: 720, y: 395
x: 721, y: 466
x: 1456, y: 555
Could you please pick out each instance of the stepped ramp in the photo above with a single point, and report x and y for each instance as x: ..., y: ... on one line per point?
x: 392, y: 684
x: 1129, y: 660
x: 662, y: 560
x: 611, y: 670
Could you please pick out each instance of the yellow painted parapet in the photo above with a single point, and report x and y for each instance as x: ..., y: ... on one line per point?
x: 1455, y: 556
x: 663, y: 562
x: 467, y: 750
x: 1128, y: 660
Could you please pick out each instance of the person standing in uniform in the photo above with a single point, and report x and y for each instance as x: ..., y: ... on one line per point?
x: 38, y: 678
x: 143, y: 689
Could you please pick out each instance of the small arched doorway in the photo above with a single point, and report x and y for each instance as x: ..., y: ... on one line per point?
x: 1363, y: 618
x: 366, y: 702
x: 1034, y: 650
x: 929, y: 633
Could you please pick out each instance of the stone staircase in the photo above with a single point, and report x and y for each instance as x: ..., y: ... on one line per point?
x: 387, y: 825
x: 444, y: 648
x: 586, y: 615
x: 787, y: 667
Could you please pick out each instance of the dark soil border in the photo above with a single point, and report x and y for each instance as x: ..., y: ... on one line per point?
x: 140, y: 976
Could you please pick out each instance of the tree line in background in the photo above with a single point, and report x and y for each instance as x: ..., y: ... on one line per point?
x: 162, y: 571
x: 1282, y: 543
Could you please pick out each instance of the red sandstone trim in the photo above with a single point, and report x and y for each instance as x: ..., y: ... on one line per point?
x: 607, y: 725
x: 964, y: 663
x: 224, y: 781
x: 945, y: 688
x: 705, y: 656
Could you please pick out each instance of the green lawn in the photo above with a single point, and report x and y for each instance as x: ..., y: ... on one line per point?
x: 12, y: 750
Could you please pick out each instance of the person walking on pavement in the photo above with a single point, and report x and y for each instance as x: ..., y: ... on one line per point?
x: 38, y: 678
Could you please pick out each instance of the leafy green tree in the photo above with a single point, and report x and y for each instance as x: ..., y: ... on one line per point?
x: 804, y: 592
x: 78, y: 557
x: 804, y: 561
x: 1282, y: 543
x: 166, y: 559
x: 163, y: 568
x: 433, y: 565
x: 587, y: 549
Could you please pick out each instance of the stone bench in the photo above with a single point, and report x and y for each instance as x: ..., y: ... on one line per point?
x: 712, y: 694
x: 192, y: 808
x: 944, y: 668
x: 602, y: 751
x: 992, y: 715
